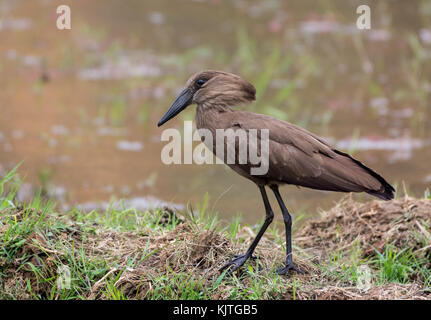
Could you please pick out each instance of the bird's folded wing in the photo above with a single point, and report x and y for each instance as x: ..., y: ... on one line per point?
x: 298, y: 156
x: 286, y: 133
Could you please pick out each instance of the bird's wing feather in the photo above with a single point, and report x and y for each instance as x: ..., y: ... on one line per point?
x: 300, y: 157
x: 286, y: 133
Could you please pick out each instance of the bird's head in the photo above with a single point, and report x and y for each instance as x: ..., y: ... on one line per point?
x: 211, y: 88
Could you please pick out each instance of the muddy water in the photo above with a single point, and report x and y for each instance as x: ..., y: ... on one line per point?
x: 80, y: 107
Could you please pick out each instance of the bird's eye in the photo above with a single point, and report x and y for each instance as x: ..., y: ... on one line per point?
x: 200, y: 82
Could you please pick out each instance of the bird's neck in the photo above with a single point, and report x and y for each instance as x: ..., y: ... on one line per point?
x: 206, y: 114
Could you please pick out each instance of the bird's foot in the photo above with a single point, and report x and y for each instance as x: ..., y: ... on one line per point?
x: 237, y: 262
x: 289, y: 266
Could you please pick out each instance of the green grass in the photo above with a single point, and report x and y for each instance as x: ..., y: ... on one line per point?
x: 115, y: 255
x: 400, y: 266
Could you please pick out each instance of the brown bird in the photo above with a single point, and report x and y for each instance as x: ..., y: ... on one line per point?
x: 296, y: 156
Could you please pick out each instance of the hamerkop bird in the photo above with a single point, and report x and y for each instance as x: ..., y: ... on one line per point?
x: 296, y: 156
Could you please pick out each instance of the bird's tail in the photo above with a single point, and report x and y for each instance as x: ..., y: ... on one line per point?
x: 386, y: 192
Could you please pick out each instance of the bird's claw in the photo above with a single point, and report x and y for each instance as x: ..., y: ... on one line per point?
x: 237, y: 262
x: 289, y: 266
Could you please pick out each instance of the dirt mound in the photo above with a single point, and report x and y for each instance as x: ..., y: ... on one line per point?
x: 178, y: 250
x: 32, y: 248
x: 372, y: 225
x: 180, y: 255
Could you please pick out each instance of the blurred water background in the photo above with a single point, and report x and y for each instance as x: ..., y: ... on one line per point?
x: 79, y: 107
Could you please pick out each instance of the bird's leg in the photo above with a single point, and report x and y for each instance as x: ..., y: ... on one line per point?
x: 241, y: 259
x: 288, y: 226
x: 252, y: 257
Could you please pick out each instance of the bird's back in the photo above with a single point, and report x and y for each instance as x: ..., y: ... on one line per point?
x: 297, y: 156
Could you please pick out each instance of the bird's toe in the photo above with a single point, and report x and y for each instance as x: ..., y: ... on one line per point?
x: 285, y: 270
x: 237, y: 262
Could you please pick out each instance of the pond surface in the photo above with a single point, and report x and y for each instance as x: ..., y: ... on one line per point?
x: 79, y: 107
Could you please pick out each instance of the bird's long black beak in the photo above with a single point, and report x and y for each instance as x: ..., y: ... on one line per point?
x: 181, y: 102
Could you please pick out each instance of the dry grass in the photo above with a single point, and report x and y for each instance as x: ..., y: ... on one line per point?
x: 372, y: 225
x: 181, y: 260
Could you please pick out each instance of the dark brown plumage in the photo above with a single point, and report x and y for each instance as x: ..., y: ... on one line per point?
x: 296, y: 156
